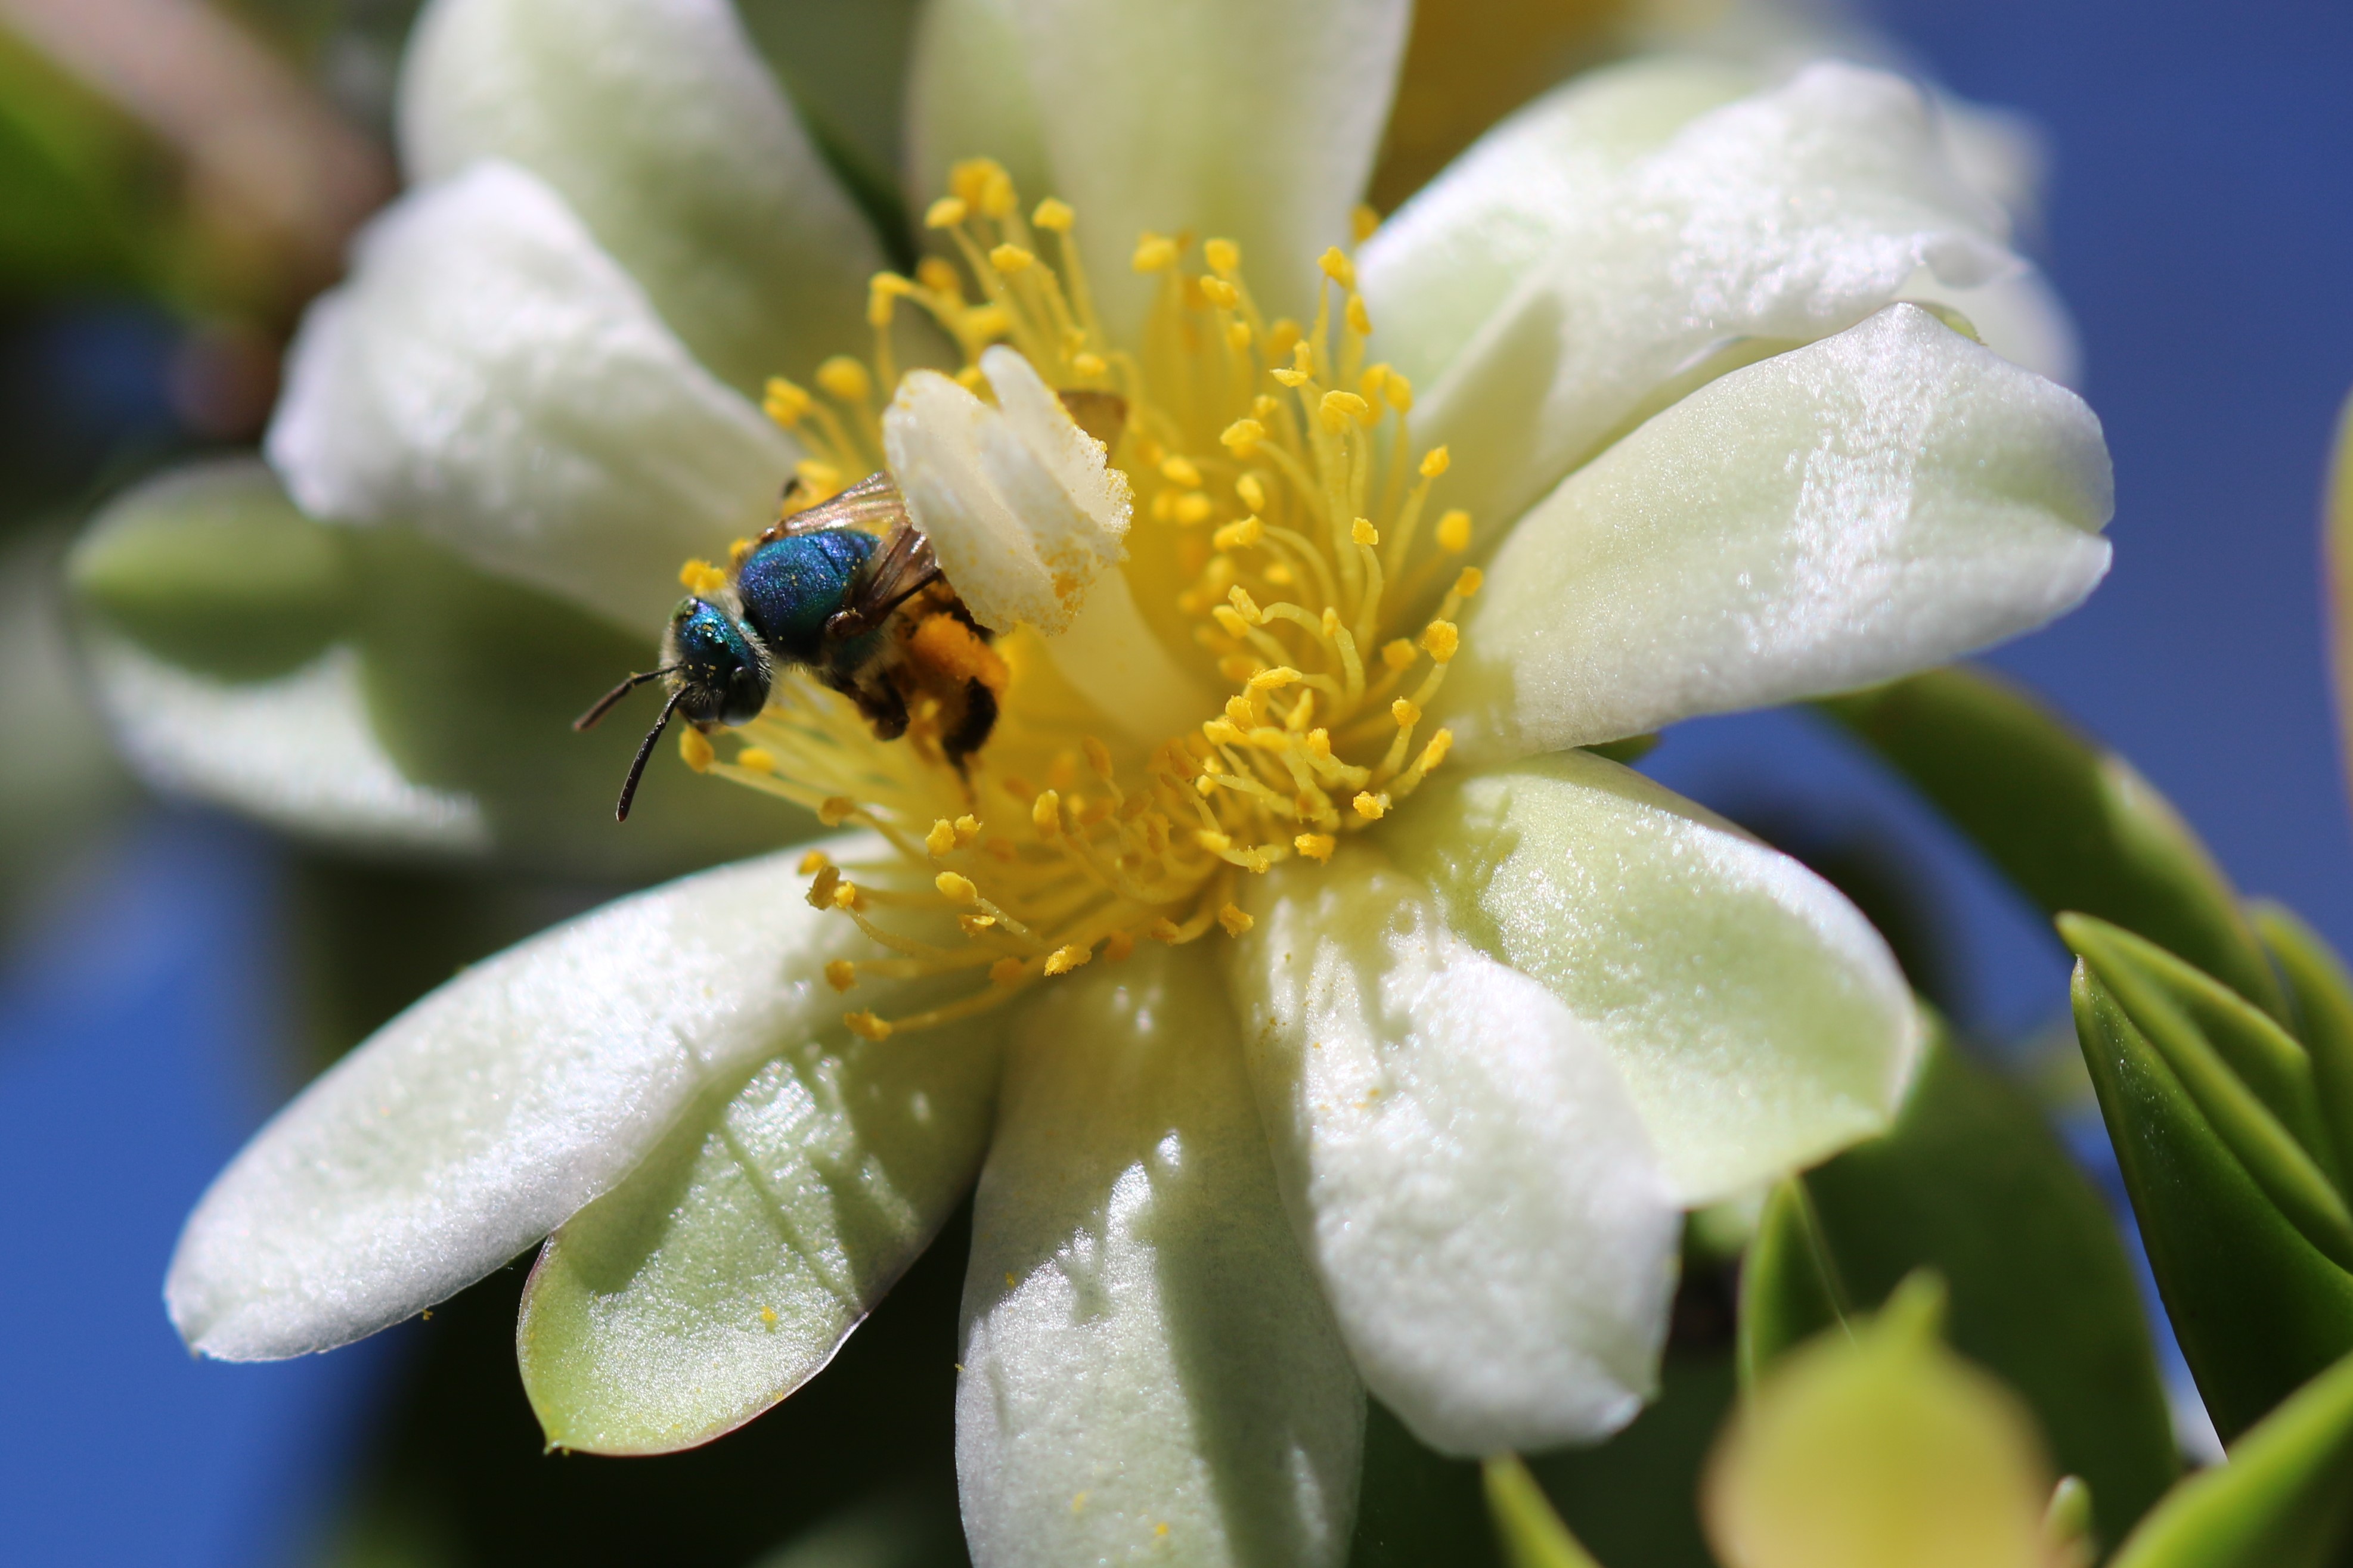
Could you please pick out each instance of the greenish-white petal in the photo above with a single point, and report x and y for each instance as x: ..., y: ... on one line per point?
x: 1149, y: 1373
x: 491, y: 377
x: 726, y: 1270
x: 1463, y: 1166
x: 489, y: 1112
x: 968, y: 96
x: 663, y: 131
x: 1774, y: 220
x: 1869, y: 505
x: 1756, y: 1018
x: 1229, y: 118
x: 1448, y: 258
x: 2019, y: 318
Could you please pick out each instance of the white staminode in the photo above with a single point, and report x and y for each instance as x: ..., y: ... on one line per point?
x: 1020, y: 504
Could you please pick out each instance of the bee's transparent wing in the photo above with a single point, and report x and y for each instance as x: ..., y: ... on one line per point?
x: 902, y: 568
x: 874, y: 503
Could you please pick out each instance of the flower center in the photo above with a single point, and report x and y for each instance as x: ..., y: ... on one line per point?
x: 1281, y: 547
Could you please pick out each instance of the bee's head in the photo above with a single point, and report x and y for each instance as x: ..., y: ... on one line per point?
x: 716, y: 673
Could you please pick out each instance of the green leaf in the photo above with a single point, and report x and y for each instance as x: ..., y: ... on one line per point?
x: 1789, y: 1286
x: 1416, y: 1506
x: 1631, y: 1499
x: 2257, y: 1307
x: 1971, y: 1184
x: 2323, y: 993
x: 2074, y: 826
x: 2279, y: 1502
x: 2250, y: 1082
x: 1532, y: 1534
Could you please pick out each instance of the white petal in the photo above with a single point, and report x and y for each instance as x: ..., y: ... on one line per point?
x: 2021, y: 319
x: 1463, y: 1166
x: 1870, y: 505
x: 660, y: 127
x: 296, y: 752
x: 491, y: 376
x: 1111, y: 656
x: 1756, y: 1017
x: 1229, y: 118
x: 968, y: 96
x: 1149, y: 1374
x: 1020, y: 504
x: 1776, y: 219
x: 728, y: 1268
x: 482, y: 1116
x: 1447, y: 259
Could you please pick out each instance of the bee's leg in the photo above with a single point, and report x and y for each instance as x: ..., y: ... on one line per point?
x: 881, y: 704
x: 972, y: 730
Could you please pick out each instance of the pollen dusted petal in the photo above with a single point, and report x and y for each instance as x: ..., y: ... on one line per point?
x: 488, y: 1113
x: 1757, y: 1020
x: 1149, y: 1373
x: 1464, y: 1166
x: 1872, y: 504
x: 491, y: 378
x: 1019, y: 505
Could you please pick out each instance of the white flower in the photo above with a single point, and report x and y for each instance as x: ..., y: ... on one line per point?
x: 1445, y: 1021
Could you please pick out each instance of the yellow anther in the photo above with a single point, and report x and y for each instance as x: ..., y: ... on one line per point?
x: 813, y: 862
x: 990, y: 320
x: 1398, y: 654
x: 737, y: 550
x: 946, y: 213
x: 1238, y: 598
x: 1089, y: 365
x: 984, y: 182
x: 1439, y: 639
x: 1319, y: 744
x: 1054, y: 214
x: 1371, y: 382
x: 823, y: 480
x: 1359, y: 319
x: 973, y: 925
x: 1005, y: 971
x: 848, y: 895
x: 1363, y: 222
x: 1237, y: 666
x: 1454, y: 532
x: 1221, y: 293
x: 1234, y: 920
x: 1237, y: 335
x: 1469, y: 582
x: 1338, y: 268
x: 694, y: 748
x: 1191, y: 509
x: 1240, y: 535
x: 1293, y: 377
x: 1240, y: 710
x: 1398, y: 389
x: 699, y: 576
x: 1046, y: 813
x: 1118, y: 945
x: 1264, y: 406
x: 867, y: 1026
x: 938, y: 274
x: 1243, y: 437
x: 845, y: 378
x: 1435, y: 753
x: 1230, y: 620
x: 1331, y: 621
x: 756, y: 759
x: 1253, y: 492
x: 1180, y: 471
x: 835, y: 809
x: 967, y: 828
x: 1154, y: 253
x: 784, y: 402
x: 1069, y: 956
x: 1224, y: 257
x: 1214, y: 842
x: 1362, y: 531
x: 1010, y: 260
x: 1406, y: 714
x: 955, y: 888
x: 882, y: 290
x: 971, y: 378
x: 942, y: 838
x: 1316, y: 847
x: 1339, y: 407
x: 1275, y: 680
x: 822, y: 886
x: 1097, y: 758
x: 841, y: 974
x: 1370, y: 807
x: 1162, y: 930
x: 1435, y: 462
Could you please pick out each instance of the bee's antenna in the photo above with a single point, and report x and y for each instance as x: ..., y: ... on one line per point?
x: 604, y: 704
x: 645, y: 750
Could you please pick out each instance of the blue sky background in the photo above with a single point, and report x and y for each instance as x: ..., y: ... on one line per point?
x: 2201, y: 225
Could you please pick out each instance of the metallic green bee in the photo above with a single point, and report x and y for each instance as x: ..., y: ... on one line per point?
x: 849, y: 590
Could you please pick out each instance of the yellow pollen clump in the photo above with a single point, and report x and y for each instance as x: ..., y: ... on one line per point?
x: 841, y: 974
x: 694, y: 749
x: 701, y: 577
x: 1287, y: 543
